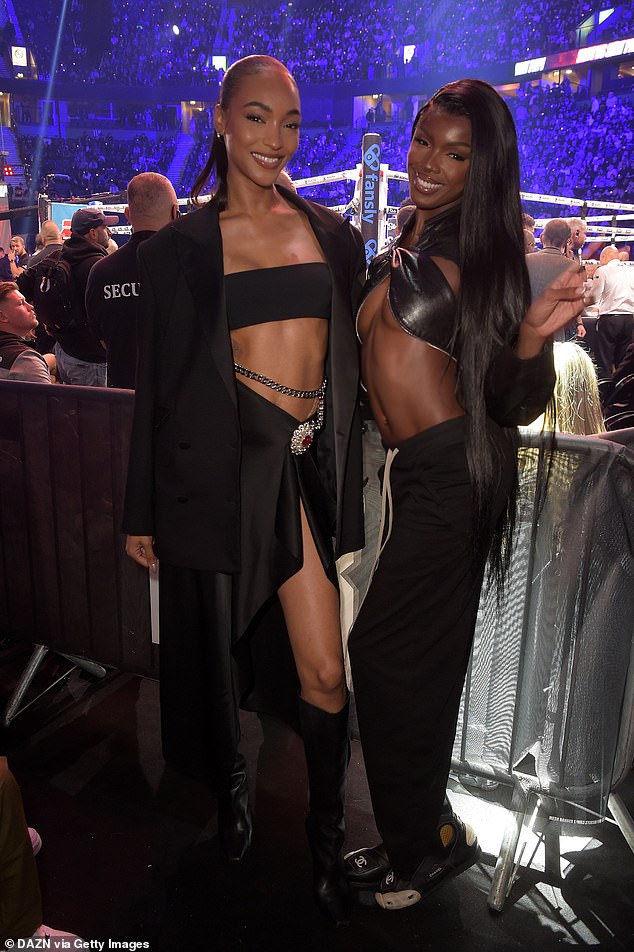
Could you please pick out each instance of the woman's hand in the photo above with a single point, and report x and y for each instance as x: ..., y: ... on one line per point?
x: 556, y: 307
x: 140, y: 549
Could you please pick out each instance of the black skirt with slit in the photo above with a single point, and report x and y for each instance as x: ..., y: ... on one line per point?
x: 274, y: 482
x: 224, y: 643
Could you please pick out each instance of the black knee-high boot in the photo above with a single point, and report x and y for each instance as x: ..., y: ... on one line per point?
x: 235, y: 824
x: 327, y: 753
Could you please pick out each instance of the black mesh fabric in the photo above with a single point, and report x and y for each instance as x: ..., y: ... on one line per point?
x: 546, y: 694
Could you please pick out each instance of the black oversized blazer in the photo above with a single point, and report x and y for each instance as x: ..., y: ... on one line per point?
x: 183, y: 476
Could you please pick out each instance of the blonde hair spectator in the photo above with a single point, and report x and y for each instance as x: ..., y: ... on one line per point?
x: 574, y: 406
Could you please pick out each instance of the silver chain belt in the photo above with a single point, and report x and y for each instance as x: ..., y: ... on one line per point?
x: 304, y: 433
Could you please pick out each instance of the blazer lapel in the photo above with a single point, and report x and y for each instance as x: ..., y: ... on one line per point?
x: 199, y: 244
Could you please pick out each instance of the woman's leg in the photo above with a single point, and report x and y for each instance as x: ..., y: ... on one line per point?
x: 310, y: 603
x: 199, y: 710
x: 410, y: 645
x: 409, y: 651
x: 311, y: 608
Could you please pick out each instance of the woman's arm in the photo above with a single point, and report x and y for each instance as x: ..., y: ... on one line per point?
x: 138, y: 515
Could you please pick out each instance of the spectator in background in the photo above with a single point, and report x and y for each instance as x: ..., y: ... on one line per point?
x: 18, y: 256
x: 575, y: 406
x: 546, y: 265
x: 6, y: 273
x: 112, y: 292
x: 51, y: 242
x: 613, y: 292
x: 18, y: 358
x: 81, y: 359
x: 578, y: 232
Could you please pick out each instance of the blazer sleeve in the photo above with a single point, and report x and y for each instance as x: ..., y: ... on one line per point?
x: 138, y: 513
x: 517, y: 389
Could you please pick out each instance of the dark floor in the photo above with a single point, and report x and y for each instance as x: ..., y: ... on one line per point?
x: 130, y: 850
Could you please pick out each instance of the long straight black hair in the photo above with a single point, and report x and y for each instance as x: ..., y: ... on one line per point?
x: 494, y: 286
x: 217, y: 164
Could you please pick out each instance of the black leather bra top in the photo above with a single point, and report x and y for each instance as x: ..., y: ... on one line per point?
x: 420, y: 298
x: 278, y: 294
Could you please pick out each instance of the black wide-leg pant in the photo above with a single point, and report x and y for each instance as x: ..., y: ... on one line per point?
x: 200, y: 728
x: 410, y: 645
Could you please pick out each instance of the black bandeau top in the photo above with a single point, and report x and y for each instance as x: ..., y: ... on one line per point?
x: 420, y: 297
x: 261, y: 295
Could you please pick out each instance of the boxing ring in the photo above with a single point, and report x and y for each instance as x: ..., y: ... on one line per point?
x: 368, y: 206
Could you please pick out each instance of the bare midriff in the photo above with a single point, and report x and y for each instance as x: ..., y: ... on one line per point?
x: 291, y: 352
x: 410, y: 384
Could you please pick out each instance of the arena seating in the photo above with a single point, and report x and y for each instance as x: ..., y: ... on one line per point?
x: 320, y: 40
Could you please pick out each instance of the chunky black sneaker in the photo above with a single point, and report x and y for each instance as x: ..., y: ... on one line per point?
x: 461, y: 850
x: 366, y: 868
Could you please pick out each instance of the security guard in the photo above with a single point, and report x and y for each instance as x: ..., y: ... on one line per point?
x: 112, y: 294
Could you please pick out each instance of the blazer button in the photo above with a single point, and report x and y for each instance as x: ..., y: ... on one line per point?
x: 182, y: 498
x: 184, y: 446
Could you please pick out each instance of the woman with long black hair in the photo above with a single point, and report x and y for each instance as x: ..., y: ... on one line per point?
x: 245, y: 461
x: 454, y: 356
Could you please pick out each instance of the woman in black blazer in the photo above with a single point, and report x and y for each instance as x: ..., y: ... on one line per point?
x: 245, y: 461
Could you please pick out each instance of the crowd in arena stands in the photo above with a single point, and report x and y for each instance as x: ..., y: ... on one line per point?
x: 364, y: 40
x: 587, y: 164
x: 97, y: 163
x: 146, y: 50
x: 319, y: 40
